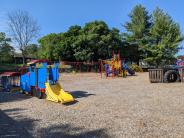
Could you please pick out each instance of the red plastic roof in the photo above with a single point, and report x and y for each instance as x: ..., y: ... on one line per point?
x: 39, y: 61
x: 10, y: 74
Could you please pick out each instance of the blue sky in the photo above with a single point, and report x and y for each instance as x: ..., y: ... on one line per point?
x: 55, y: 16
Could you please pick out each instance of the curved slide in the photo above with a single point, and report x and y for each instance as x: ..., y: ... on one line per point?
x: 130, y: 71
x: 55, y: 93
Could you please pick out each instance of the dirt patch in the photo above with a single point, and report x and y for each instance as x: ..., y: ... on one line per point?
x: 119, y: 107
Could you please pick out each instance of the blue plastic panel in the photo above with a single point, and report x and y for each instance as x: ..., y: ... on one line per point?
x: 42, y: 76
x: 25, y: 82
x: 54, y: 73
x: 32, y: 75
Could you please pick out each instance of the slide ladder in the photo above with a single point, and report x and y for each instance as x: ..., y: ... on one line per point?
x: 55, y: 93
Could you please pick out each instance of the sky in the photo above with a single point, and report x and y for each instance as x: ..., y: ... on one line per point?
x: 54, y: 16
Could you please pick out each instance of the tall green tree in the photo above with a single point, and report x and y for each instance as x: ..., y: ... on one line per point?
x: 6, y: 51
x: 138, y: 30
x: 92, y: 42
x: 32, y: 50
x: 95, y: 41
x: 69, y: 43
x: 48, y: 44
x: 165, y: 39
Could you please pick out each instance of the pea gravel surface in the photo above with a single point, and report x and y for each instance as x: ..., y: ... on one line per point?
x: 113, y: 107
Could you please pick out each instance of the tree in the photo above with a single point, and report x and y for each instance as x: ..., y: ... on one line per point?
x: 95, y: 41
x: 23, y: 29
x: 138, y: 30
x: 48, y: 46
x: 6, y: 51
x: 157, y: 37
x: 32, y: 50
x: 69, y: 43
x: 92, y: 42
x: 165, y: 38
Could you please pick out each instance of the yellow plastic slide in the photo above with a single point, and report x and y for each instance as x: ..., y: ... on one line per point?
x: 55, y: 93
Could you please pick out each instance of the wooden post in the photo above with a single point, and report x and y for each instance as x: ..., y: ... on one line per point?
x: 181, y: 73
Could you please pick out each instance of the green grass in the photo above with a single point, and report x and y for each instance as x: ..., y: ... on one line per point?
x: 9, y: 67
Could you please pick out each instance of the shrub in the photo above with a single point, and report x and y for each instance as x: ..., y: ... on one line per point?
x: 136, y: 68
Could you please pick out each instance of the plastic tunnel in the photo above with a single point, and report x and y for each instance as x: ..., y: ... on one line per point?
x: 55, y: 93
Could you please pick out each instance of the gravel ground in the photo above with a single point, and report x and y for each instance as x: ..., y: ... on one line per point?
x: 119, y: 107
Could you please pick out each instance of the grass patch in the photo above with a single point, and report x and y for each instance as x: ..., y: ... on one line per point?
x: 9, y: 67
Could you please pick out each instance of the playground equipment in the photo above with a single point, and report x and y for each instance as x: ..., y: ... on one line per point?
x: 40, y: 79
x: 55, y: 93
x: 9, y: 81
x: 169, y: 73
x: 115, y: 66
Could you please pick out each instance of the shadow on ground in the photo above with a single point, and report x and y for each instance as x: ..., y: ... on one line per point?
x: 67, y: 131
x: 26, y: 127
x: 10, y: 97
x: 11, y: 128
x: 80, y: 94
x: 134, y: 75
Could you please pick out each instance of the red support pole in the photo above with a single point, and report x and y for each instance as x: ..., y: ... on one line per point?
x: 121, y: 67
x: 119, y: 59
x: 101, y: 69
x: 113, y: 63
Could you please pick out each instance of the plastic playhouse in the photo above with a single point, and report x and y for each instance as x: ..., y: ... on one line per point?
x: 40, y: 79
x: 115, y: 66
x: 9, y: 81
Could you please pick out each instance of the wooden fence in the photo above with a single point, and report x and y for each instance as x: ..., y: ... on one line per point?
x: 156, y: 75
x: 181, y: 72
x: 68, y: 66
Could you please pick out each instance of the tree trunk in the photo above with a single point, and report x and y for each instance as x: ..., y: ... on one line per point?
x: 23, y: 58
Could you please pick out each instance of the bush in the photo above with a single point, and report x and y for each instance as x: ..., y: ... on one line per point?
x: 136, y: 68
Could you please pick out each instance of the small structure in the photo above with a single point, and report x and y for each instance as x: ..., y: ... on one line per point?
x: 18, y: 59
x: 9, y: 80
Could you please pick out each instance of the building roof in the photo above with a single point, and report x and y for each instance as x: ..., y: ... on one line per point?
x: 7, y: 74
x: 19, y: 55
